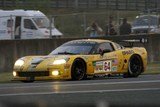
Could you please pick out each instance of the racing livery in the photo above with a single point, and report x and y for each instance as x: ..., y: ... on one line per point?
x: 78, y: 59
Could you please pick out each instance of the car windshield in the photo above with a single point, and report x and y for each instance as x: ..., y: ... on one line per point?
x: 146, y: 21
x: 42, y: 22
x: 75, y: 47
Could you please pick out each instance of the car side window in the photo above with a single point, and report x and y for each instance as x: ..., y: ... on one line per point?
x: 28, y: 24
x: 9, y: 22
x: 104, y: 46
x: 118, y: 46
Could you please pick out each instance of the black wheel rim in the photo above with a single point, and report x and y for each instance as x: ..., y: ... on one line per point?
x: 79, y: 71
x: 135, y: 65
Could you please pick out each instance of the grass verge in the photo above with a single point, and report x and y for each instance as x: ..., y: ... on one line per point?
x: 153, y: 68
x: 5, y: 77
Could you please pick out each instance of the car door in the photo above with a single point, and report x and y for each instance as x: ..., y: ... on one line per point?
x: 29, y: 29
x: 110, y: 60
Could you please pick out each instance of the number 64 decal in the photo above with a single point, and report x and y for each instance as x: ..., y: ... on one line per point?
x: 107, y: 65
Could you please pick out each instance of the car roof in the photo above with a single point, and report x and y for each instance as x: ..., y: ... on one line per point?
x: 93, y: 40
x: 141, y: 16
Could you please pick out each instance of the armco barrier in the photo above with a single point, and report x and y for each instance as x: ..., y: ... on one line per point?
x: 11, y: 50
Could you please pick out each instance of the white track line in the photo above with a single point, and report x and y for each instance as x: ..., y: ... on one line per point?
x: 84, y: 84
x: 80, y: 92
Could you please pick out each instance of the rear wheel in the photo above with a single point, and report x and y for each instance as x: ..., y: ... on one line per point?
x: 78, y: 71
x: 135, y: 66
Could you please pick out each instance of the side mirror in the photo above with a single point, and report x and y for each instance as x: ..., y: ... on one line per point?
x: 104, y: 51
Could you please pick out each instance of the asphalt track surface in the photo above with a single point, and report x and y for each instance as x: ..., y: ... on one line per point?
x: 98, y: 92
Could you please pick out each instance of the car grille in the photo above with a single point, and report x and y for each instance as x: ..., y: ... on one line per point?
x: 33, y: 73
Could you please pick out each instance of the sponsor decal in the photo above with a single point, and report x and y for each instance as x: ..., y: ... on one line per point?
x: 99, y: 66
x: 94, y: 64
x: 107, y: 66
x: 103, y: 66
x: 114, y: 68
x: 127, y: 52
x: 114, y: 62
x: 110, y: 56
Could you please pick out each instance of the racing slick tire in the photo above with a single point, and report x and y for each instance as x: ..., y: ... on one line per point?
x: 78, y: 71
x: 135, y: 67
x: 29, y: 80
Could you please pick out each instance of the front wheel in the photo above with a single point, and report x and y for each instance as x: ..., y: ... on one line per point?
x: 135, y: 66
x: 78, y: 71
x: 28, y: 80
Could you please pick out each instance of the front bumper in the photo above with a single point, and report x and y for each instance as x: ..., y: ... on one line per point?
x: 42, y: 75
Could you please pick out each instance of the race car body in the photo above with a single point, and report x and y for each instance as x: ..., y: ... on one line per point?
x: 78, y: 59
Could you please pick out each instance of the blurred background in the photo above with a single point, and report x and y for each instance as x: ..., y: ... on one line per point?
x: 72, y: 17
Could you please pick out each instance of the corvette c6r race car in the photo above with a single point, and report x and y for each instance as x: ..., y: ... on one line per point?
x: 78, y: 59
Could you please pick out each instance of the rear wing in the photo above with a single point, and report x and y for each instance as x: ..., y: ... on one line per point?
x: 132, y: 42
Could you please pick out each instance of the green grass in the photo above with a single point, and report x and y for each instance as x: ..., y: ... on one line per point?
x: 5, y: 77
x: 152, y: 68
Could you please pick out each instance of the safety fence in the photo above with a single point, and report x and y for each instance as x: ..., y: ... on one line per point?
x: 107, y: 4
x: 70, y: 25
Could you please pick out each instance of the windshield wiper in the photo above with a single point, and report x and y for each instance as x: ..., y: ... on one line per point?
x: 66, y: 53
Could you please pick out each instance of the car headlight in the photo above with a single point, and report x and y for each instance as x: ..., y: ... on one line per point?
x: 14, y: 73
x: 55, y: 73
x: 59, y: 61
x: 19, y: 62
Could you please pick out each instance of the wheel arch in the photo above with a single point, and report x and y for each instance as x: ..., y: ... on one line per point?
x: 79, y: 58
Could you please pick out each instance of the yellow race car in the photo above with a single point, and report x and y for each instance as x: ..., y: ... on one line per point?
x: 79, y: 59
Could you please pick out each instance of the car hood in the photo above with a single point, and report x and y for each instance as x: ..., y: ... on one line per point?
x: 40, y: 62
x: 37, y: 59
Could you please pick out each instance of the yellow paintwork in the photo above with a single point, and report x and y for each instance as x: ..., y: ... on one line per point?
x: 93, y: 62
